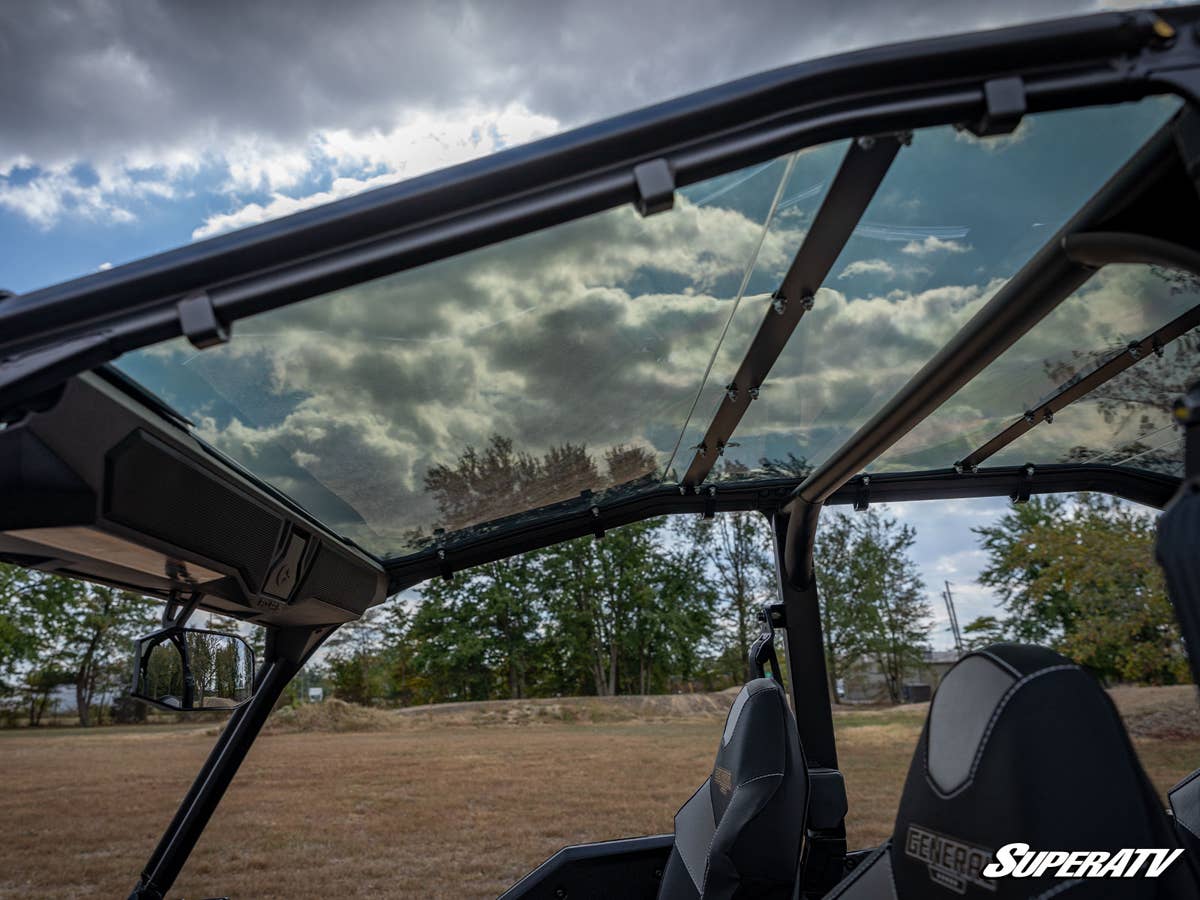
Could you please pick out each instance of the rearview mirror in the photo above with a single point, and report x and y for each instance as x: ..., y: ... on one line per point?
x: 186, y: 669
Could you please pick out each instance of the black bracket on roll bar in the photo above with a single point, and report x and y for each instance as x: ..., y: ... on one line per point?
x: 862, y: 496
x: 1005, y: 99
x: 199, y: 323
x: 655, y: 186
x: 1025, y: 487
x: 762, y: 651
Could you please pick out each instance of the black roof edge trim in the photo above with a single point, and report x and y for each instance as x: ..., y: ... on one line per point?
x: 769, y: 496
x: 1015, y: 482
x: 1100, y: 58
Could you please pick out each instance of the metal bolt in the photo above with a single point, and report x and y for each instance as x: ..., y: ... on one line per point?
x: 595, y: 512
x: 865, y: 143
x: 1159, y: 350
x: 866, y: 479
x: 1028, y: 416
x: 731, y: 391
x: 441, y: 554
x: 779, y: 304
x: 1133, y: 350
x: 753, y: 393
x: 683, y: 490
x: 958, y: 468
x: 1049, y: 417
x: 712, y: 490
x: 807, y: 302
x: 1029, y: 470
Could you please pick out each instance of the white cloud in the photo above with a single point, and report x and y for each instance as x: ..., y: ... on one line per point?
x: 868, y: 267
x: 52, y: 194
x: 282, y: 205
x: 932, y: 244
x: 418, y: 143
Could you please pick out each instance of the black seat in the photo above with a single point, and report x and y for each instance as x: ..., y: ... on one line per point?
x: 1020, y: 746
x: 740, y: 834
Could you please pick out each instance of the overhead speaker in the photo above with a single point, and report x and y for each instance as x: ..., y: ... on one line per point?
x: 154, y: 490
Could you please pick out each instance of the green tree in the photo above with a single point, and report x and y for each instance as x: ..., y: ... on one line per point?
x: 1082, y: 577
x: 872, y: 596
x: 983, y: 631
x: 843, y: 610
x: 17, y: 644
x: 87, y: 630
x: 357, y: 669
x: 737, y: 549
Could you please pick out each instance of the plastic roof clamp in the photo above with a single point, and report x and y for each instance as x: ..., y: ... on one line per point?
x: 1005, y: 100
x: 1025, y: 488
x: 199, y: 323
x: 862, y: 497
x: 655, y: 186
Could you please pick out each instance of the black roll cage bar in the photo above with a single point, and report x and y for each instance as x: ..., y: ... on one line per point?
x: 985, y: 81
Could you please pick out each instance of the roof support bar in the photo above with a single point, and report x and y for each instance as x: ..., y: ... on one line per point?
x: 863, y: 168
x: 577, y: 520
x: 1085, y: 247
x: 1045, y: 281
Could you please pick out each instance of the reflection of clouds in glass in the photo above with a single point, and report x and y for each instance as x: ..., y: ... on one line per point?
x: 1126, y: 421
x: 597, y: 333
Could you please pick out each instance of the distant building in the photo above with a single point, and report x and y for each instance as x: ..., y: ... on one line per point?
x: 316, y: 695
x: 865, y: 683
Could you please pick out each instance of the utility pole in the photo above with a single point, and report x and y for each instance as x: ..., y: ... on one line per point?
x: 949, y: 598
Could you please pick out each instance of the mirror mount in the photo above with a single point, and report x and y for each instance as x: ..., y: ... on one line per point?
x: 176, y: 612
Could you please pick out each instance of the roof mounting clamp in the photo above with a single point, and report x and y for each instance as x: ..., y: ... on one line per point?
x: 1021, y: 494
x: 862, y: 498
x: 199, y: 323
x: 655, y: 186
x: 710, y: 501
x: 1005, y: 100
x: 444, y: 568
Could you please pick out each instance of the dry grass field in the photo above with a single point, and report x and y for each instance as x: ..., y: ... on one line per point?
x: 454, y: 801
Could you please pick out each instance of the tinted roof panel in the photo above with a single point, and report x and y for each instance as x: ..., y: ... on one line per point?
x: 954, y: 218
x: 1124, y: 421
x: 572, y: 355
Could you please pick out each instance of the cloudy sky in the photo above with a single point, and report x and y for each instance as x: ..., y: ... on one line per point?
x: 135, y: 127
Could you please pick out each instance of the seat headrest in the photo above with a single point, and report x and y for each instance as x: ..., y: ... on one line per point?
x: 1020, y: 745
x: 758, y: 725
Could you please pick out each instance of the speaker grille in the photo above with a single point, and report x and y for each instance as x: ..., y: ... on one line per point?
x: 341, y: 580
x: 154, y: 491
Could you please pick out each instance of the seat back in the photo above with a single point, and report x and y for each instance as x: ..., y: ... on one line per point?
x: 1020, y: 746
x: 740, y: 833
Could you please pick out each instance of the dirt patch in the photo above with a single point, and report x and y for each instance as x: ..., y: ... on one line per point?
x: 1159, y: 713
x: 330, y: 716
x: 583, y: 710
